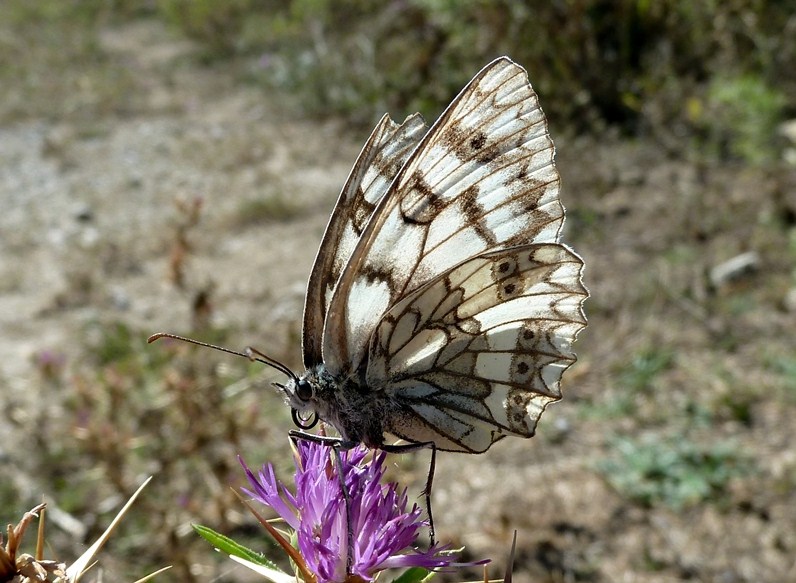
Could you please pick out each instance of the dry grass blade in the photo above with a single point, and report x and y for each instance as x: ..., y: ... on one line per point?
x: 40, y: 535
x: 81, y: 565
x: 271, y: 574
x: 152, y: 575
x: 510, y: 561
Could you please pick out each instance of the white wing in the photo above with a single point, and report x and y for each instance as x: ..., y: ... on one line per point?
x: 381, y: 157
x: 482, y: 179
x: 478, y: 352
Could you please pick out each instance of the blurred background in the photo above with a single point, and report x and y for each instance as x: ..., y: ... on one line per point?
x: 171, y: 164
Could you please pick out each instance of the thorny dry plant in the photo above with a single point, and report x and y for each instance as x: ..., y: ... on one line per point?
x: 22, y: 567
x: 16, y: 567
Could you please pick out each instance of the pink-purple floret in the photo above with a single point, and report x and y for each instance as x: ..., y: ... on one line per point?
x: 384, y: 531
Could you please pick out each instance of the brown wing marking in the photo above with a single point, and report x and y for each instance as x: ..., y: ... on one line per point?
x: 382, y: 156
x: 478, y: 353
x: 482, y: 179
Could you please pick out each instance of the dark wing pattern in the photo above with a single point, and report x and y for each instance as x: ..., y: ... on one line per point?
x: 478, y: 352
x: 482, y: 179
x: 386, y: 150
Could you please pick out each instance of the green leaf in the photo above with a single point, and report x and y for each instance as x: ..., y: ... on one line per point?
x: 230, y: 547
x: 414, y: 575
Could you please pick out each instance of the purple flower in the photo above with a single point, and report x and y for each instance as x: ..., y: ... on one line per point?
x: 384, y: 531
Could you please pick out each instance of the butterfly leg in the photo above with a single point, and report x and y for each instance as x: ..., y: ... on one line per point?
x: 337, y: 445
x: 350, y: 531
x: 329, y: 440
x: 410, y: 447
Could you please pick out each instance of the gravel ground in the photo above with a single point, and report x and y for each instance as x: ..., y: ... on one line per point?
x: 90, y: 213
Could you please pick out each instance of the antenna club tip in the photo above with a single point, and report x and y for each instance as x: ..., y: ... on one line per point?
x: 154, y: 337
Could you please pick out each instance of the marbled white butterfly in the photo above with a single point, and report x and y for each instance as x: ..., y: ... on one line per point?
x: 442, y: 307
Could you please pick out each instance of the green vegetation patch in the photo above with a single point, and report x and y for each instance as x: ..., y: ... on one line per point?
x: 740, y: 117
x: 675, y: 471
x: 274, y: 208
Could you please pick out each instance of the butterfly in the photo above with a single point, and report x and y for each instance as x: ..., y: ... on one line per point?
x: 442, y: 306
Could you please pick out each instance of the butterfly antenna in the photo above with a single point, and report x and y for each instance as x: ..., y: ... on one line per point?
x: 250, y: 353
x: 255, y: 354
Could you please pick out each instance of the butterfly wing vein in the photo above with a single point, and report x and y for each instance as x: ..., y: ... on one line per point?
x: 478, y: 353
x: 385, y: 151
x: 481, y: 179
x: 441, y: 281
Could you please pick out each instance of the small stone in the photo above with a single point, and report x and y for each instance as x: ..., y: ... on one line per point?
x: 83, y: 213
x: 790, y: 300
x: 788, y: 131
x: 734, y: 268
x: 120, y: 299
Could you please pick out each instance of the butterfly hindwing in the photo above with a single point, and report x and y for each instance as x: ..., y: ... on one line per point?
x: 482, y: 179
x: 478, y: 352
x: 382, y: 156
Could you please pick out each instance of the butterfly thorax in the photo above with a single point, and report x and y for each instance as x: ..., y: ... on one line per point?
x: 353, y: 409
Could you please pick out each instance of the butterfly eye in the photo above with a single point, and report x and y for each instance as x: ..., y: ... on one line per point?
x: 303, y: 390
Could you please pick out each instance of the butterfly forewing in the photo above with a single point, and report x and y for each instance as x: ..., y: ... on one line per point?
x: 442, y: 307
x: 482, y: 179
x: 478, y: 352
x: 382, y: 156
